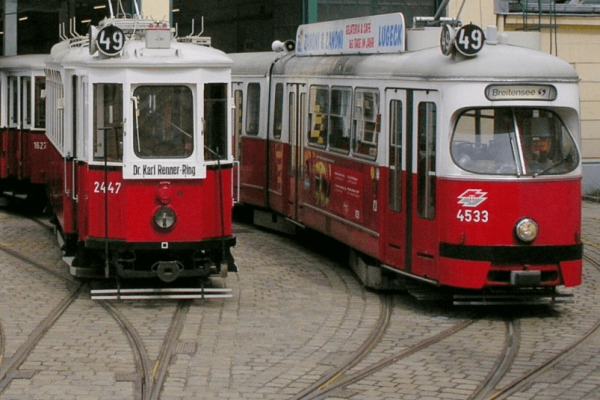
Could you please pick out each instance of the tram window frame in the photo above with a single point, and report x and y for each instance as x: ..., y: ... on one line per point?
x: 40, y: 102
x: 318, y: 116
x: 366, y: 118
x: 253, y: 91
x: 396, y: 132
x: 426, y: 159
x: 278, y: 111
x: 215, y: 121
x: 108, y: 105
x: 340, y: 119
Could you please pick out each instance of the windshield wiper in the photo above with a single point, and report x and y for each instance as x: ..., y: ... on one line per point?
x: 568, y: 157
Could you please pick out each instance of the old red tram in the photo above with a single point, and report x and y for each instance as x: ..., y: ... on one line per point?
x: 459, y: 167
x: 23, y: 145
x: 140, y: 166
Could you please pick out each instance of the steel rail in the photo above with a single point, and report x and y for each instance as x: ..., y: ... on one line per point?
x: 356, y: 377
x: 364, y: 350
x: 8, y: 372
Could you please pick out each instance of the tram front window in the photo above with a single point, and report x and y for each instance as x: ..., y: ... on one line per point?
x: 163, y: 122
x: 513, y: 141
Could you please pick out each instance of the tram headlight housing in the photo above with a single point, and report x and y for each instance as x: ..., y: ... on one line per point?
x: 527, y: 230
x: 165, y: 218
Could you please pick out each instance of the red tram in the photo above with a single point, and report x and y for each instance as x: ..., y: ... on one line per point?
x: 140, y: 165
x: 458, y: 167
x: 23, y: 145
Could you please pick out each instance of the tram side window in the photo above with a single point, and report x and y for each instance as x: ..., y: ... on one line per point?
x: 426, y: 193
x: 108, y: 121
x: 215, y: 117
x: 238, y: 112
x: 395, y: 161
x: 253, y: 110
x: 339, y: 119
x: 14, y: 101
x: 40, y: 102
x: 366, y: 122
x: 318, y: 115
x: 278, y: 111
x: 26, y: 102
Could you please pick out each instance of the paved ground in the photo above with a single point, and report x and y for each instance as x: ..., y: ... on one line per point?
x: 293, y: 316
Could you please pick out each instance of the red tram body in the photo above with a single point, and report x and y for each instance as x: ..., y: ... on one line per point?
x: 140, y: 165
x: 460, y: 170
x: 23, y: 145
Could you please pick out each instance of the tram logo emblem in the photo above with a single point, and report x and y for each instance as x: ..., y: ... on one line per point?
x: 472, y: 197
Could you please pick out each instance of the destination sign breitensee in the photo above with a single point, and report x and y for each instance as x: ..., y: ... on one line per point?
x: 520, y: 92
x: 375, y: 34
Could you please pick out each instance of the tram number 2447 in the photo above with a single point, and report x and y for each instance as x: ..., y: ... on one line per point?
x: 473, y: 216
x: 102, y: 187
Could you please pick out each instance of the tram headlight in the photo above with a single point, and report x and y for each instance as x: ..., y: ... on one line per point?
x: 164, y: 218
x: 527, y: 230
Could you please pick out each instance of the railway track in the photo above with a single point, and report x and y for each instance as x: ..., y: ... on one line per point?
x: 9, y: 367
x: 150, y: 333
x: 150, y: 378
x: 520, y: 383
x: 337, y: 381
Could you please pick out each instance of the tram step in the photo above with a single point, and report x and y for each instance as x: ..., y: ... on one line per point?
x: 161, y: 294
x: 512, y: 299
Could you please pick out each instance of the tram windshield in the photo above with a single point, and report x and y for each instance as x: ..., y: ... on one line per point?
x: 513, y: 141
x: 163, y: 122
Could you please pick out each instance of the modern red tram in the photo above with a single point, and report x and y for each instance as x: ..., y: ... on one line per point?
x: 433, y: 156
x: 23, y: 145
x: 140, y: 166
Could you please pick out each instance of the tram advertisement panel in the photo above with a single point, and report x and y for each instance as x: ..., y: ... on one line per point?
x: 373, y: 34
x: 337, y: 189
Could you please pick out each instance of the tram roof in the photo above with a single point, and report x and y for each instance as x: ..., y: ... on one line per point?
x: 492, y: 63
x: 23, y: 62
x: 135, y: 54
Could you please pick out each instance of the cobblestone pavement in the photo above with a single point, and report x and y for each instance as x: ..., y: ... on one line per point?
x: 294, y: 315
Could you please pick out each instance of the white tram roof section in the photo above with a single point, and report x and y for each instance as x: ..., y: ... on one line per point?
x: 136, y: 53
x: 25, y: 62
x: 494, y: 63
x: 380, y: 47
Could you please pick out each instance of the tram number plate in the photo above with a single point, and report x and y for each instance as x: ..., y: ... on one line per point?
x: 101, y: 187
x: 473, y: 216
x: 110, y: 40
x: 469, y: 40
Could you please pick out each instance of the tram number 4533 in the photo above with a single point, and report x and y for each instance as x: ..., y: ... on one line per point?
x: 473, y: 216
x: 102, y: 187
